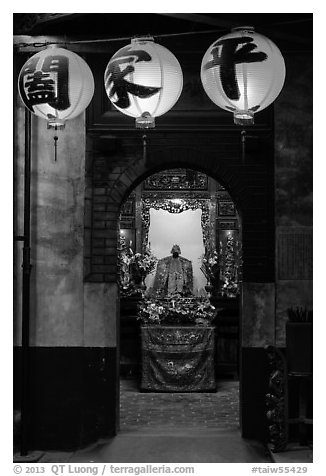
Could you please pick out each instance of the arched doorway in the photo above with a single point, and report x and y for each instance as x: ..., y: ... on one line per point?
x: 187, y: 207
x: 116, y: 174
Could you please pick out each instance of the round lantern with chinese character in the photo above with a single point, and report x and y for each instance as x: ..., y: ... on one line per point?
x: 243, y: 72
x: 56, y: 85
x: 143, y: 80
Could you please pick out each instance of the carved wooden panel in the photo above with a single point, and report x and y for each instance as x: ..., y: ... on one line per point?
x: 128, y: 207
x: 276, y: 400
x: 227, y: 224
x: 127, y: 223
x: 294, y: 253
x: 177, y: 179
x: 226, y: 208
x: 127, y: 217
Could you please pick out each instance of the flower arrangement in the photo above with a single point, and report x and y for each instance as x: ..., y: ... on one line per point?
x: 222, y: 268
x: 205, y: 312
x: 230, y: 288
x: 144, y: 264
x: 134, y: 267
x: 211, y: 266
x: 150, y: 312
x: 176, y: 310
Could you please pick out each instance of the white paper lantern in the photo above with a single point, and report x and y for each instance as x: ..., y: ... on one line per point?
x: 143, y: 80
x: 56, y: 84
x: 243, y: 72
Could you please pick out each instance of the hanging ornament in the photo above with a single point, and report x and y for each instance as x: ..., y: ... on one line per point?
x: 243, y: 72
x: 143, y: 80
x: 56, y: 85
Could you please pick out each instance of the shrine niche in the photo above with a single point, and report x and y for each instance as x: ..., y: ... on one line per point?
x: 184, y: 207
x: 180, y: 256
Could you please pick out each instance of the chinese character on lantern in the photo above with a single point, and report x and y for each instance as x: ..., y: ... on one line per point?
x: 243, y: 72
x: 143, y: 80
x: 56, y: 84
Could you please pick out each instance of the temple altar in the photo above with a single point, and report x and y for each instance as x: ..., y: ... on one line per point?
x: 226, y: 325
x: 171, y: 335
x: 177, y: 359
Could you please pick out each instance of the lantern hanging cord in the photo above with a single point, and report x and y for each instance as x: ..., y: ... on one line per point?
x: 111, y: 40
x: 243, y: 146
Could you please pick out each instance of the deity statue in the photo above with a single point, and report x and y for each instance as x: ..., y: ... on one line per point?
x: 174, y: 275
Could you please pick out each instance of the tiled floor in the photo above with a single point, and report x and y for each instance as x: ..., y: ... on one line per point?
x: 174, y: 428
x: 177, y: 427
x: 218, y: 410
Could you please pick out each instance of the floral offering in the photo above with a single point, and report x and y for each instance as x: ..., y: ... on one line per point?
x: 176, y: 310
x: 134, y: 267
x: 211, y: 266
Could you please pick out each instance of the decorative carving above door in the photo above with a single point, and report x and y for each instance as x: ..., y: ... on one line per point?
x: 177, y: 179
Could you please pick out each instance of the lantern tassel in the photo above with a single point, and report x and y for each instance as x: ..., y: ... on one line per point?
x: 145, y: 147
x: 55, y: 138
x: 243, y: 146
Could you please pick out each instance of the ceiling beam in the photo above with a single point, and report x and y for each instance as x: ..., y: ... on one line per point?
x: 222, y: 23
x: 204, y: 19
x: 26, y: 22
x: 281, y: 35
x: 42, y: 18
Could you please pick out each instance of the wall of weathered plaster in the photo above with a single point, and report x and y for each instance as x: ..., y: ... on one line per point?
x: 101, y: 306
x: 293, y: 189
x: 258, y: 314
x: 293, y: 144
x: 63, y: 312
x: 18, y: 222
x: 57, y: 209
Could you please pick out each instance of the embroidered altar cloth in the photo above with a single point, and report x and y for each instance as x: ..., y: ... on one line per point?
x: 177, y: 359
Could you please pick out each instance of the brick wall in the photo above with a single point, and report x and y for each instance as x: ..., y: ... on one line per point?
x: 117, y: 165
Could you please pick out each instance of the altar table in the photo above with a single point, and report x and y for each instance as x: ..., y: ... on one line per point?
x: 177, y: 359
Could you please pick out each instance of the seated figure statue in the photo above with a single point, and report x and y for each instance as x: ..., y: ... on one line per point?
x: 173, y: 275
